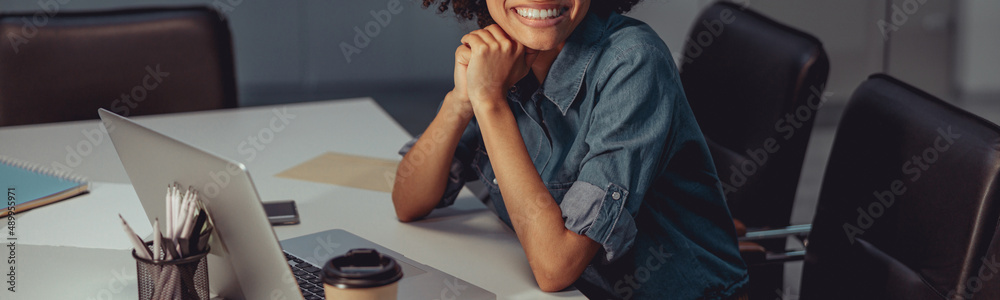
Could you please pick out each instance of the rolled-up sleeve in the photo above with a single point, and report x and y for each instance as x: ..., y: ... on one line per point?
x: 460, y: 172
x: 629, y: 126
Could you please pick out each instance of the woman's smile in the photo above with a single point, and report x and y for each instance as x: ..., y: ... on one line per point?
x: 541, y: 17
x: 539, y: 25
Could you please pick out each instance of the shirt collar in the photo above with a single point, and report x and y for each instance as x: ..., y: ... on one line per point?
x: 565, y: 77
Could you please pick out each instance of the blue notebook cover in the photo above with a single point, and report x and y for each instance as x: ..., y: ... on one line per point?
x: 33, y: 185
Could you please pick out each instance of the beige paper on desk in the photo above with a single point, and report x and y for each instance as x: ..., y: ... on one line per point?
x: 361, y: 172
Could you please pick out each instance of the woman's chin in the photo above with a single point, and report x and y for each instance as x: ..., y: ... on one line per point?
x: 541, y: 45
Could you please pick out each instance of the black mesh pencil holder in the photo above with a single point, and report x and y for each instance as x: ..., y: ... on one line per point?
x: 185, y: 278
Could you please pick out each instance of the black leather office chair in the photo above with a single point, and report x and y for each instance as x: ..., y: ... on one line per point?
x: 744, y: 75
x: 136, y: 61
x: 909, y: 205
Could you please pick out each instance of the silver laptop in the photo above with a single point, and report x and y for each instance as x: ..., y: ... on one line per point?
x: 246, y: 260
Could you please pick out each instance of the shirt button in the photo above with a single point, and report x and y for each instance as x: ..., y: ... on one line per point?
x: 616, y: 195
x: 494, y: 181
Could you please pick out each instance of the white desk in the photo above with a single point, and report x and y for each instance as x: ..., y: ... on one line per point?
x: 465, y: 240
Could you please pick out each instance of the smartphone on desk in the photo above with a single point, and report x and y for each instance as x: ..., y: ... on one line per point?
x: 282, y: 212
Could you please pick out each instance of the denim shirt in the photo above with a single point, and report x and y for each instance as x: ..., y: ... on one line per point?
x: 616, y: 144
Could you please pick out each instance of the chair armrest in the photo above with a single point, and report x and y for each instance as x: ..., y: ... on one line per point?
x: 774, y: 258
x: 754, y: 254
x: 794, y: 230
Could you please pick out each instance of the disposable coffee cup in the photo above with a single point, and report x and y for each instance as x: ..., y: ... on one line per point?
x: 361, y: 274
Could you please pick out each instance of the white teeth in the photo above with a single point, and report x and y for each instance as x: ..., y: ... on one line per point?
x: 538, y: 14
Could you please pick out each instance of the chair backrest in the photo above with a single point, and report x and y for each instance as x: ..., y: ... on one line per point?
x: 908, y: 207
x: 755, y: 86
x: 65, y: 66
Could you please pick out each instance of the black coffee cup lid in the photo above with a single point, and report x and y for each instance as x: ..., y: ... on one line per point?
x: 361, y: 268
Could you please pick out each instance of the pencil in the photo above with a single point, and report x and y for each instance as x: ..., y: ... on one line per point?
x: 140, y: 247
x: 157, y: 243
x: 169, y: 209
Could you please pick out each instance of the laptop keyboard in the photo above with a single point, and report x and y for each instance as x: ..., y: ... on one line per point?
x: 309, y: 277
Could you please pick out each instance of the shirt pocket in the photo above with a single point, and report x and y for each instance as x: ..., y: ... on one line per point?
x: 484, y: 169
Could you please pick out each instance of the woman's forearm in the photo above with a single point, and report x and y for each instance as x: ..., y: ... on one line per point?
x: 423, y: 173
x: 556, y: 255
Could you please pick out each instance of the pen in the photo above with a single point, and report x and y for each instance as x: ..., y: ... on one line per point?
x: 196, y: 233
x: 203, y: 238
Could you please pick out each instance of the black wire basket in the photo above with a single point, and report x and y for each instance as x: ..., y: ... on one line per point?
x: 185, y: 278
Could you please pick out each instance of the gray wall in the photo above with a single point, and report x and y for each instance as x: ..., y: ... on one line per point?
x: 978, y: 59
x: 290, y: 50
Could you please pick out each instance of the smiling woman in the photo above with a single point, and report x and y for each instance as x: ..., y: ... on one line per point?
x: 471, y: 10
x: 574, y: 118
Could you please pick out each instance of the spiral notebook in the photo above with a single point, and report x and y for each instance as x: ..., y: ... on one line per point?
x: 30, y: 185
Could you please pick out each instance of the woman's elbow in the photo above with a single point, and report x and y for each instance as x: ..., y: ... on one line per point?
x: 406, y: 217
x: 554, y: 282
x: 554, y: 278
x: 405, y: 211
x: 402, y: 213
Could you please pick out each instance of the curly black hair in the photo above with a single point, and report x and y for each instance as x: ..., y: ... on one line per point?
x: 476, y: 9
